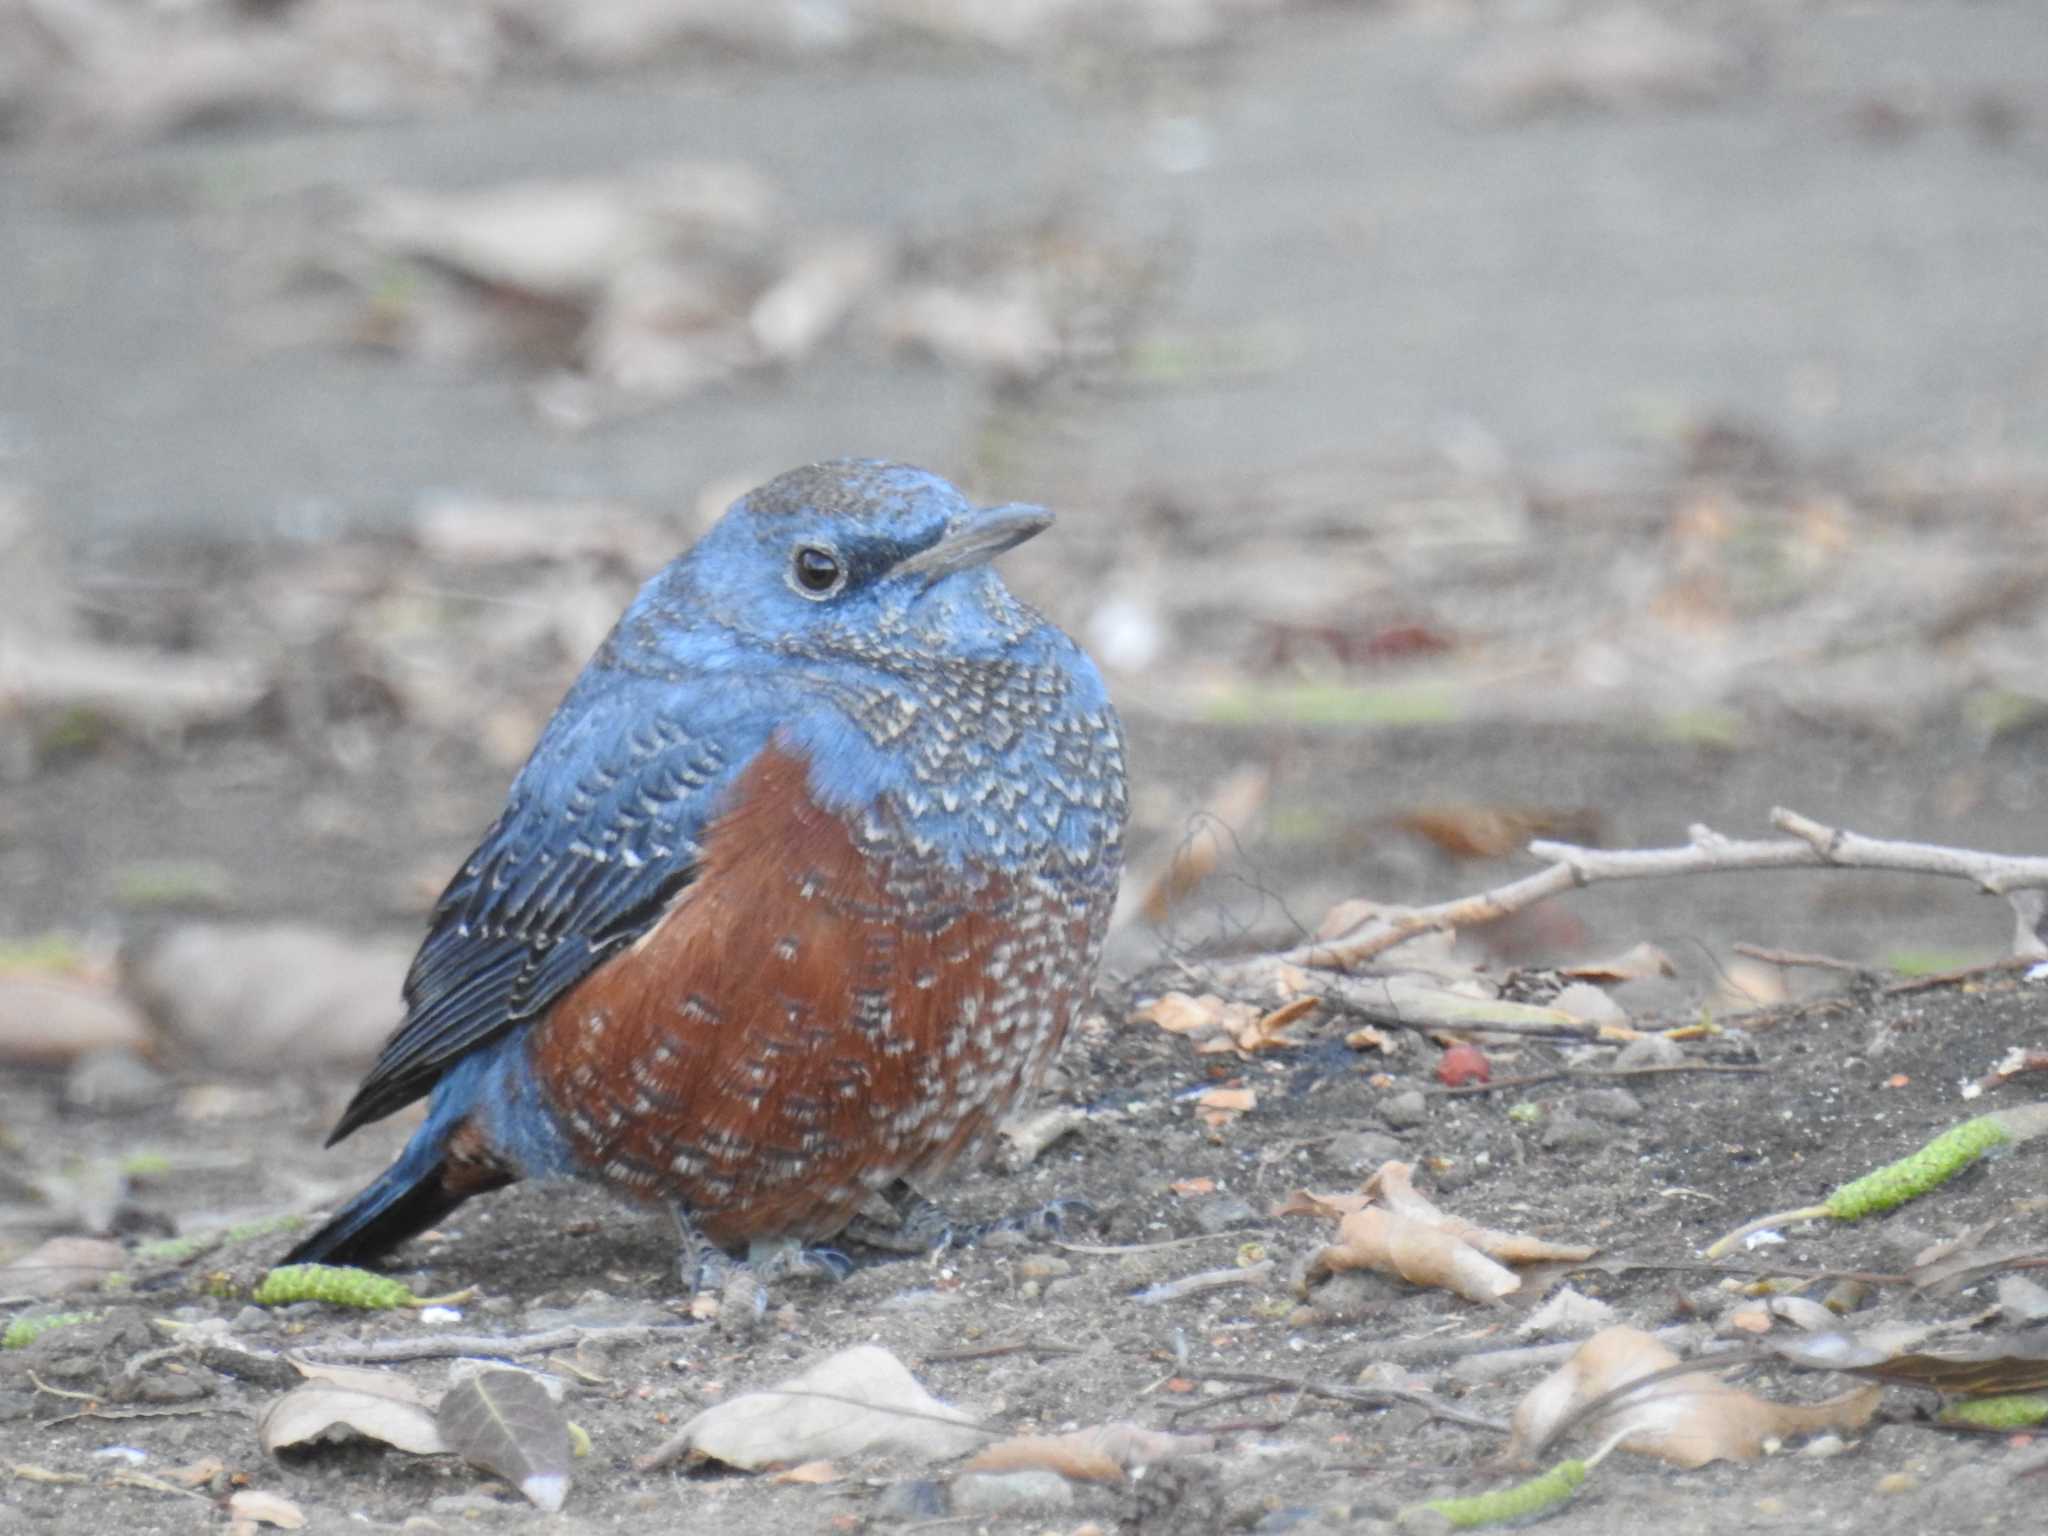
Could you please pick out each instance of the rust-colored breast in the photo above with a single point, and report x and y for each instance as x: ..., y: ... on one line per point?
x: 813, y: 1019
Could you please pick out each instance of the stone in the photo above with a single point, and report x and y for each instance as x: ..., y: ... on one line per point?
x: 1404, y: 1111
x: 992, y: 1494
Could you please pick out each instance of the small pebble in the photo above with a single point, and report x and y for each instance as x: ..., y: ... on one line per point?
x: 1615, y: 1105
x: 113, y: 1079
x: 1568, y: 1133
x: 1033, y: 1492
x: 251, y: 1320
x: 1897, y: 1482
x: 1650, y: 1051
x: 2021, y: 1299
x: 1823, y: 1446
x: 1219, y: 1213
x: 921, y: 1499
x: 1405, y: 1110
x: 1043, y: 1266
x: 1361, y: 1152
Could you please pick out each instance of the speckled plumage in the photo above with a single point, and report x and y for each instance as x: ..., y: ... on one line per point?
x: 795, y: 896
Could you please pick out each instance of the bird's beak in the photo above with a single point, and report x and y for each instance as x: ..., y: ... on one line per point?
x: 977, y: 537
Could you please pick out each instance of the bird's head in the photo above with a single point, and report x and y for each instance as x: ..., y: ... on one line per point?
x: 846, y: 557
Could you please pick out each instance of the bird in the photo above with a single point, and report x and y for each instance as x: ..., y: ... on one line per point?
x: 803, y: 885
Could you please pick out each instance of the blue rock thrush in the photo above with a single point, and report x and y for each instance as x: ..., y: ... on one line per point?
x: 799, y: 891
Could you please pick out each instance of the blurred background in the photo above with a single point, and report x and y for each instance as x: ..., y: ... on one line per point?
x: 1468, y: 421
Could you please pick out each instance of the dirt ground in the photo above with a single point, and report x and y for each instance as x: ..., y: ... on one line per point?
x: 1467, y: 424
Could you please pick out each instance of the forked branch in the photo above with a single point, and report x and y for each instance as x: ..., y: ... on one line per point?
x: 1812, y: 845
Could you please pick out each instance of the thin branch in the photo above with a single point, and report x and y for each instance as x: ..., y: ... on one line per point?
x: 1657, y: 1069
x: 1369, y: 1397
x: 1812, y: 845
x: 455, y: 1345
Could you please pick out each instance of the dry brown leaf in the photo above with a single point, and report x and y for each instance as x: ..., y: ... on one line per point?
x: 1393, y: 1185
x: 1101, y: 1453
x: 196, y: 1474
x: 1069, y: 1455
x: 1636, y: 963
x: 1404, y: 1234
x: 1422, y: 1254
x: 1369, y: 1037
x: 1496, y: 831
x: 1687, y: 1420
x: 1188, y: 1188
x: 309, y: 1411
x: 1219, y: 1106
x: 807, y: 1472
x: 1179, y: 1014
x: 1307, y: 1203
x: 266, y: 1509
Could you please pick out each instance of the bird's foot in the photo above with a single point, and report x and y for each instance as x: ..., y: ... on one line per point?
x: 707, y: 1269
x: 786, y: 1258
x: 923, y: 1225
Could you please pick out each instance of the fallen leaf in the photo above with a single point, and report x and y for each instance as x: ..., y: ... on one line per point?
x: 266, y: 1509
x: 1101, y: 1454
x: 807, y: 1472
x: 1393, y: 1229
x: 1186, y: 1188
x: 1496, y: 831
x: 1637, y: 963
x: 1179, y: 1014
x: 363, y: 1378
x: 1993, y: 1367
x: 504, y: 1422
x: 1380, y: 1239
x: 1370, y: 1037
x: 1219, y: 1106
x: 1306, y: 1203
x: 858, y: 1400
x: 310, y: 1411
x: 1687, y: 1420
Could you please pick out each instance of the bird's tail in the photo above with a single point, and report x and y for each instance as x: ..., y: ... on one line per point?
x: 417, y: 1190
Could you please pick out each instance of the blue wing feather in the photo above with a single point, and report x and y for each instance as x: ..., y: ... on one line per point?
x: 602, y: 827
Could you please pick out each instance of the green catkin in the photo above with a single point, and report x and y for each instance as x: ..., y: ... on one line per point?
x: 1535, y: 1497
x: 333, y: 1284
x: 2020, y: 1411
x: 1910, y: 1177
x: 182, y: 1250
x: 24, y: 1331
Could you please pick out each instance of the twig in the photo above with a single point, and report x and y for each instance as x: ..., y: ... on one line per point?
x: 1206, y: 1280
x: 1657, y: 1069
x: 1812, y: 845
x: 450, y: 1345
x: 1014, y: 1347
x: 1371, y: 1397
x: 1799, y: 959
x: 1242, y: 1234
x: 1962, y: 973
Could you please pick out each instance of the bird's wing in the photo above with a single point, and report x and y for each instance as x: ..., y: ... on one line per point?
x: 603, y: 827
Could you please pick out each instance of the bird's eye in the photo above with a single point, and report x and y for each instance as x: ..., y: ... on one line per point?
x: 815, y: 571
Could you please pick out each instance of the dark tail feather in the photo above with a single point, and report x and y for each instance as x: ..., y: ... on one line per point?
x: 403, y: 1201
